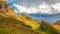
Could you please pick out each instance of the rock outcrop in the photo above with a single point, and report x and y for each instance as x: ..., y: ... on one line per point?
x: 6, y: 10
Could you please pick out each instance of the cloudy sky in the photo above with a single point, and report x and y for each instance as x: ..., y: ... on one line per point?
x: 36, y: 6
x: 48, y: 10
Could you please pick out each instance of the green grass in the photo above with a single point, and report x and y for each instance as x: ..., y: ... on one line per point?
x: 10, y: 25
x: 49, y: 30
x: 13, y: 26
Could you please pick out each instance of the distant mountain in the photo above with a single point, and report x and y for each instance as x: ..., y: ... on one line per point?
x: 43, y: 15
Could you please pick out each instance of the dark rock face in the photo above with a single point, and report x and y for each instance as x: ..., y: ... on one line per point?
x: 4, y: 7
x: 0, y: 6
x: 43, y: 25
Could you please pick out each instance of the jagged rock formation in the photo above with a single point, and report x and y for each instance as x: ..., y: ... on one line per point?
x: 6, y: 10
x: 43, y: 24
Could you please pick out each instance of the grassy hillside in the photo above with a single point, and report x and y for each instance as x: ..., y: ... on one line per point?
x: 56, y: 24
x: 14, y: 26
x: 11, y: 23
x: 48, y: 29
x: 29, y: 21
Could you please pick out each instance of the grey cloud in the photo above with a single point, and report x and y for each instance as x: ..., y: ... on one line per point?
x: 33, y: 3
x: 27, y: 3
x: 52, y: 1
x: 36, y: 3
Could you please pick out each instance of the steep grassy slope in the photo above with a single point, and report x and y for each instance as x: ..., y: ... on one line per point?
x: 29, y: 21
x: 56, y: 26
x: 11, y: 23
x: 14, y: 26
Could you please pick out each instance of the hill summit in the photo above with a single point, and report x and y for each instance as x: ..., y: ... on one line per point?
x: 6, y: 10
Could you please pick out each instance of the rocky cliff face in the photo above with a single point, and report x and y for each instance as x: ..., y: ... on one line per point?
x: 6, y: 10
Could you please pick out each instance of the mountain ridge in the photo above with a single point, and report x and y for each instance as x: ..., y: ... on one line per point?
x: 11, y: 23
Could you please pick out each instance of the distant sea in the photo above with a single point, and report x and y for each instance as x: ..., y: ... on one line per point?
x: 50, y: 18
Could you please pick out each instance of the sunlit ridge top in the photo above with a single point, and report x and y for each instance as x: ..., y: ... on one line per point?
x: 2, y: 0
